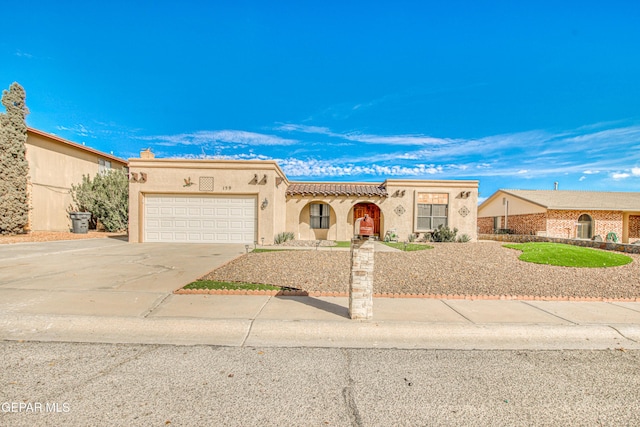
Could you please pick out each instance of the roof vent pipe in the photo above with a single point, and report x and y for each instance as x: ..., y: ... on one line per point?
x: 555, y: 185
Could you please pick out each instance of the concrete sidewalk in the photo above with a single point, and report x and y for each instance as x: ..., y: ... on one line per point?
x: 268, y: 321
x: 112, y: 291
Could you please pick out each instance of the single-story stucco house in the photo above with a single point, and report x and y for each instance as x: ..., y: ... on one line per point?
x: 217, y: 201
x: 56, y: 164
x: 562, y: 213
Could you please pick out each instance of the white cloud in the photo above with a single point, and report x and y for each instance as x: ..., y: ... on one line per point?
x: 24, y: 54
x: 590, y: 172
x: 208, y: 137
x: 243, y: 156
x: 78, y: 129
x: 620, y: 175
x: 313, y: 168
x: 582, y: 178
x: 367, y: 138
x: 398, y: 139
x: 635, y: 171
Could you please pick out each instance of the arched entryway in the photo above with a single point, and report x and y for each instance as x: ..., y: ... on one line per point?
x: 371, y: 209
x: 585, y: 227
x: 317, y: 221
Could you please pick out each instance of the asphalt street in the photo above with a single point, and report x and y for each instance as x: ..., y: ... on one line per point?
x: 62, y: 384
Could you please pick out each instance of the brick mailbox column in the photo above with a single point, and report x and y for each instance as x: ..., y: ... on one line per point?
x: 361, y: 280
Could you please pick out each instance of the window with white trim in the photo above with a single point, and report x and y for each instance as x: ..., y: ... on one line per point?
x: 103, y: 165
x: 319, y: 215
x: 432, y: 211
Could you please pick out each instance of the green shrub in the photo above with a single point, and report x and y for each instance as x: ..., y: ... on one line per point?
x: 283, y: 237
x: 444, y: 234
x: 463, y: 238
x: 106, y: 196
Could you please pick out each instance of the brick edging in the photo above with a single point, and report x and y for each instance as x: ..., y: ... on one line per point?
x: 394, y: 295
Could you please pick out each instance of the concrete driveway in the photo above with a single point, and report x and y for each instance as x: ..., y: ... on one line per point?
x: 101, y: 276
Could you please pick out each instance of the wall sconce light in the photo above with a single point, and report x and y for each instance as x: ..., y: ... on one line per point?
x: 143, y: 178
x: 263, y: 180
x: 264, y: 204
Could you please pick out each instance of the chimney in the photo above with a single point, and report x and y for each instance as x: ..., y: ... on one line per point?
x: 555, y: 185
x: 147, y: 154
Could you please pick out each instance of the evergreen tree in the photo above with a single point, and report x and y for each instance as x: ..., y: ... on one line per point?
x: 14, y: 170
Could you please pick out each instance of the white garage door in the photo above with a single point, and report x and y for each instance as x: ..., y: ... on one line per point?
x: 199, y: 219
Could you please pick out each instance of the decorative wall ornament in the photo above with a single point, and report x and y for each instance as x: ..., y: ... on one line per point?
x: 141, y: 178
x: 463, y: 211
x: 399, y: 210
x: 206, y: 183
x: 188, y: 182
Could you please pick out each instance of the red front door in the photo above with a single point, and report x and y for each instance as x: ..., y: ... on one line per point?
x: 370, y: 209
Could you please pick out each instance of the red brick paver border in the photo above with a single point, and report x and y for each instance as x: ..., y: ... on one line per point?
x: 390, y: 295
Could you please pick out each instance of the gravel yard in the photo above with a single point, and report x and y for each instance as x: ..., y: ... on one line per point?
x: 51, y: 236
x: 482, y: 268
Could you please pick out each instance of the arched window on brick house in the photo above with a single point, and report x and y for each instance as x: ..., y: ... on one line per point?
x: 585, y: 227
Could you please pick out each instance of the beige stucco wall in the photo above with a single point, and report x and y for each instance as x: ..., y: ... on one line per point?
x: 494, y: 206
x: 341, y: 216
x: 231, y: 178
x: 402, y: 193
x: 54, y: 165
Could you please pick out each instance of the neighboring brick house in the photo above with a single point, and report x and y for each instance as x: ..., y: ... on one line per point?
x: 54, y: 165
x: 561, y: 213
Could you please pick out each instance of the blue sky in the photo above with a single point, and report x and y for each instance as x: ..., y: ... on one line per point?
x: 514, y: 94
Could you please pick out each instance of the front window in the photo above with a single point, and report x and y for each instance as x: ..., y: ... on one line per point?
x: 432, y: 211
x: 319, y: 215
x: 104, y: 165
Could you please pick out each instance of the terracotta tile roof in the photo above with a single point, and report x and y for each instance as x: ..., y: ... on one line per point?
x: 336, y: 189
x: 587, y: 200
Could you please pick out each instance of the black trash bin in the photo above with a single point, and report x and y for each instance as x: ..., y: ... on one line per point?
x: 80, y: 222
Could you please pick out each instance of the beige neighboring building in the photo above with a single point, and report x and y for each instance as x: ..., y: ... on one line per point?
x: 218, y: 201
x: 54, y: 165
x: 562, y: 213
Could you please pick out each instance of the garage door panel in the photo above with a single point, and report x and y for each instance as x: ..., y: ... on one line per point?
x: 205, y: 219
